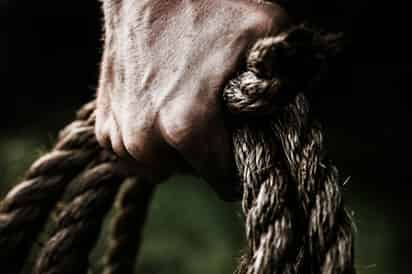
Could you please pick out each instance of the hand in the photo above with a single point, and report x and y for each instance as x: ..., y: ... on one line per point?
x: 164, y: 66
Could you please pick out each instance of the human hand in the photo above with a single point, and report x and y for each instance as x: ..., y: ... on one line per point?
x: 164, y: 66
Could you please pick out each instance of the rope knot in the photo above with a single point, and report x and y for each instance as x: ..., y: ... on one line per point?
x: 277, y: 68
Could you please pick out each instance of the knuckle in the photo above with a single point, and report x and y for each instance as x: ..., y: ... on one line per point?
x: 174, y: 131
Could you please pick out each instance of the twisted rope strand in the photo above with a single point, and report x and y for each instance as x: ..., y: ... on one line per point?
x: 315, y: 235
x: 132, y: 204
x: 270, y: 227
x: 294, y: 214
x: 25, y: 208
x: 329, y: 234
x: 79, y: 223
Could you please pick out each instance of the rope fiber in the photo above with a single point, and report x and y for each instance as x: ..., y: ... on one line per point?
x: 292, y: 202
x: 292, y: 199
x: 24, y: 210
x: 132, y: 206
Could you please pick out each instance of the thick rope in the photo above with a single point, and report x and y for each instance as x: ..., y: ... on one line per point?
x: 79, y: 223
x: 125, y: 236
x: 295, y: 219
x: 329, y: 231
x: 269, y: 211
x: 24, y: 210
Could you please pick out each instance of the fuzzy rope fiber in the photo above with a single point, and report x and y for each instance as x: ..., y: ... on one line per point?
x: 292, y: 199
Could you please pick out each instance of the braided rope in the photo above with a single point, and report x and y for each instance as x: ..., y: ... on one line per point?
x: 24, y: 210
x: 270, y: 227
x: 127, y: 225
x: 79, y: 223
x: 295, y: 219
x: 329, y: 241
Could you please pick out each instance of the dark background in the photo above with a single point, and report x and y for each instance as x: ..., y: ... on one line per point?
x: 49, y: 56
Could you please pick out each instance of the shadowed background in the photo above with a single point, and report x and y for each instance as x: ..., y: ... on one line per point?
x: 49, y: 56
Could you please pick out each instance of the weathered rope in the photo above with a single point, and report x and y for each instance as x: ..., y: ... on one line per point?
x: 94, y: 175
x: 269, y: 211
x: 79, y: 223
x: 24, y: 210
x: 125, y: 236
x: 329, y: 231
x: 295, y: 219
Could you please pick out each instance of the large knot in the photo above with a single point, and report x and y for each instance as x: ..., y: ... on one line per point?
x: 279, y: 67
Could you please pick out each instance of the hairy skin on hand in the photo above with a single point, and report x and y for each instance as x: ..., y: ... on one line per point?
x: 164, y: 66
